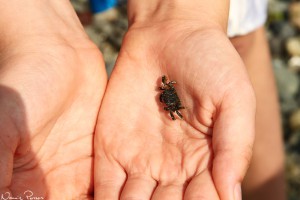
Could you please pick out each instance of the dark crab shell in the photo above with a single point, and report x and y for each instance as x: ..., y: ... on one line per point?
x: 170, y: 98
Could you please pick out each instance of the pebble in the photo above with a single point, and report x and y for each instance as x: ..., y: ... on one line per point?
x: 295, y: 120
x: 293, y: 175
x: 293, y: 46
x: 288, y: 105
x: 104, y: 17
x: 287, y: 31
x: 294, y: 140
x: 294, y: 11
x: 287, y: 81
x: 81, y: 5
x: 276, y: 45
x: 294, y: 64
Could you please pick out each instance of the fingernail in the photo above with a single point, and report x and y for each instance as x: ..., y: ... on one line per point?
x: 238, y: 192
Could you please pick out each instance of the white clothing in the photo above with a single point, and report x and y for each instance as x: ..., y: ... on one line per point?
x: 246, y: 16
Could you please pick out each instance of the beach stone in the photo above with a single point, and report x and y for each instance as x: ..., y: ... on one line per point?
x: 276, y: 45
x: 287, y: 31
x: 294, y: 64
x: 294, y: 141
x: 293, y: 46
x: 294, y: 164
x: 276, y: 9
x: 81, y: 5
x: 288, y: 105
x: 110, y: 55
x: 106, y: 16
x: 287, y: 81
x: 94, y: 35
x: 293, y: 175
x: 295, y: 120
x: 294, y: 12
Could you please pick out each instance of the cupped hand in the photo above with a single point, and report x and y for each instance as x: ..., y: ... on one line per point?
x: 52, y: 79
x: 141, y: 153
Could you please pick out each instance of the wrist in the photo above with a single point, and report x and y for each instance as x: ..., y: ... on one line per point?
x: 36, y: 20
x: 201, y: 14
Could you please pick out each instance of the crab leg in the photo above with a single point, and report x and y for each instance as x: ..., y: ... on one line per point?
x: 179, y: 114
x: 164, y: 80
x: 171, y: 113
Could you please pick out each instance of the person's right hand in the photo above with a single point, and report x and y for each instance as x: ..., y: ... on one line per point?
x: 52, y: 79
x: 140, y: 152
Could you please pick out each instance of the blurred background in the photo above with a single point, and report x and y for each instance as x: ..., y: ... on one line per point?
x: 107, y: 28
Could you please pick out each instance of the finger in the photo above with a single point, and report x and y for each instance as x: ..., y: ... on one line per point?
x: 109, y: 178
x: 8, y: 146
x: 138, y: 186
x: 6, y: 165
x: 233, y: 137
x: 201, y: 187
x: 168, y: 192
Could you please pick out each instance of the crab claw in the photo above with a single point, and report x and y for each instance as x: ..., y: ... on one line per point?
x: 164, y: 79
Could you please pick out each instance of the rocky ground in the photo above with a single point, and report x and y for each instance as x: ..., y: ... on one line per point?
x: 284, y: 37
x: 107, y: 29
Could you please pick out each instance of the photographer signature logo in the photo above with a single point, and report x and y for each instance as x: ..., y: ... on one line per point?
x: 28, y: 195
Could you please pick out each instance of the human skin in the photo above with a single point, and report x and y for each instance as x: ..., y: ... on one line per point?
x: 14, y: 78
x: 265, y: 177
x: 52, y: 79
x: 140, y: 153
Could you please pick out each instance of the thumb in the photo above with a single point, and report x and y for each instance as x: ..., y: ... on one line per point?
x: 233, y: 138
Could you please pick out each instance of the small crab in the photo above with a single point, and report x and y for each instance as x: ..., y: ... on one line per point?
x: 170, y: 98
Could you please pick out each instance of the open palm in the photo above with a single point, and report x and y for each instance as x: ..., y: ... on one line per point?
x: 47, y: 125
x: 141, y: 153
x: 51, y: 87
